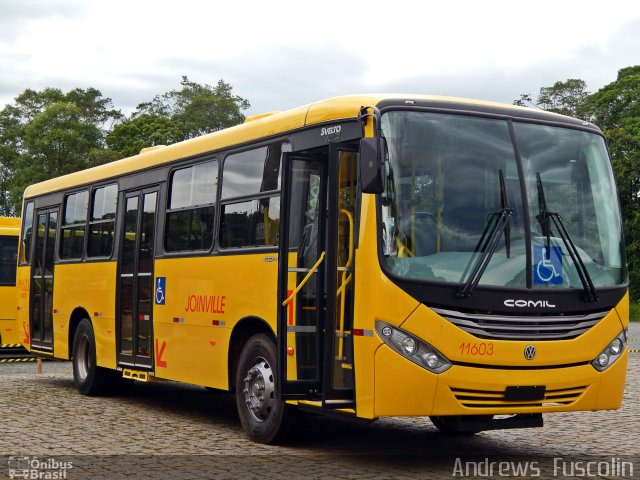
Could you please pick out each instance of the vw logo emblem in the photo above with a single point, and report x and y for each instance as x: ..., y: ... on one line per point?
x: 529, y: 352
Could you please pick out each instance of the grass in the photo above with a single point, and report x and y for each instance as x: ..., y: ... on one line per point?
x: 634, y: 311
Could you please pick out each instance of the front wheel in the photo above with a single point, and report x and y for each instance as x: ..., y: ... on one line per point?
x: 264, y: 418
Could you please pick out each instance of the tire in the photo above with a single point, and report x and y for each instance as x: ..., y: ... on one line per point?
x: 264, y: 418
x: 452, y: 424
x: 90, y: 379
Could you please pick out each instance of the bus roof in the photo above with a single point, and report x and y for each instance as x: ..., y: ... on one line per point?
x: 267, y: 125
x: 10, y: 226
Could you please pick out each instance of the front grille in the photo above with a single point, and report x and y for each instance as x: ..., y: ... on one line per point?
x: 493, y: 399
x: 513, y: 327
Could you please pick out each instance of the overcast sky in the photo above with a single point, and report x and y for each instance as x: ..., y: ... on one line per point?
x: 282, y: 54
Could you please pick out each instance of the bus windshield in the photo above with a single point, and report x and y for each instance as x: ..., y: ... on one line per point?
x: 453, y: 181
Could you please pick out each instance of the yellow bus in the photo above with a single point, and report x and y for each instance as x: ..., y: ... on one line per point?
x: 9, y: 233
x: 364, y: 256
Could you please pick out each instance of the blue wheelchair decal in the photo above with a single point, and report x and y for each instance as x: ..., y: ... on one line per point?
x: 161, y: 288
x: 547, y: 265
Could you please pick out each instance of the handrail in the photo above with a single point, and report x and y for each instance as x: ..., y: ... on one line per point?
x: 349, y: 216
x: 346, y: 279
x: 304, y: 280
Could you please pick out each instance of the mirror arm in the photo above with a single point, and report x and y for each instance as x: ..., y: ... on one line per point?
x: 363, y: 114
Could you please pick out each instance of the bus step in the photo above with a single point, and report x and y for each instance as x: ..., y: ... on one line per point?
x: 139, y: 375
x: 339, y: 404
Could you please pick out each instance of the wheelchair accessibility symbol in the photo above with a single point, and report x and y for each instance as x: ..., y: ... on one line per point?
x: 547, y: 265
x: 161, y: 285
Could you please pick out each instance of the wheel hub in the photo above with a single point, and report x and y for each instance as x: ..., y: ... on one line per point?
x: 259, y: 390
x: 82, y: 360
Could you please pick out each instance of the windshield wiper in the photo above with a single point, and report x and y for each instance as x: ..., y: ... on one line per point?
x: 543, y: 217
x: 497, y: 225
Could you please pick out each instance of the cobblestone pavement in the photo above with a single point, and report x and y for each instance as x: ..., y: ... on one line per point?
x: 171, y: 430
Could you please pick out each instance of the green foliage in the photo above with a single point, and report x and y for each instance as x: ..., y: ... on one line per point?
x: 566, y: 98
x: 634, y: 311
x: 617, y: 105
x: 49, y: 133
x: 145, y: 130
x: 198, y: 109
x: 616, y: 109
x: 178, y: 115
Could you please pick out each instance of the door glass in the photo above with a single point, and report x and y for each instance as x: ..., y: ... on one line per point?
x: 38, y: 268
x: 129, y: 244
x: 48, y: 310
x: 42, y: 280
x: 51, y: 243
x: 48, y: 274
x: 37, y: 288
x: 304, y: 234
x: 342, y: 371
x: 145, y: 277
x: 127, y: 285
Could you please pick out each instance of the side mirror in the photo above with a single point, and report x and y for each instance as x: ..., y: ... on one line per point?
x: 372, y: 155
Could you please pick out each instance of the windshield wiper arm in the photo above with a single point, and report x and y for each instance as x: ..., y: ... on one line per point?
x: 543, y: 217
x: 497, y: 225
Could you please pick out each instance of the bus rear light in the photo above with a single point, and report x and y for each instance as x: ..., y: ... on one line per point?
x: 610, y: 354
x: 412, y: 348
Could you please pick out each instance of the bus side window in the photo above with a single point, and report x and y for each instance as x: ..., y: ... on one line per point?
x: 74, y: 225
x: 27, y: 231
x: 191, y: 209
x: 256, y: 172
x: 102, y: 221
x: 8, y: 256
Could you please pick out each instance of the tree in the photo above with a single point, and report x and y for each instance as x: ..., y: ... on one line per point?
x: 616, y: 109
x: 145, y: 130
x: 618, y: 102
x: 198, y: 109
x: 49, y: 133
x: 566, y: 98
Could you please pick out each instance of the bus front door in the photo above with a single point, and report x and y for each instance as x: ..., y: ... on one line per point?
x: 315, y: 289
x: 41, y: 292
x: 135, y: 280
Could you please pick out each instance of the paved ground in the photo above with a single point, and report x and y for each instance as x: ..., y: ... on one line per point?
x: 170, y: 430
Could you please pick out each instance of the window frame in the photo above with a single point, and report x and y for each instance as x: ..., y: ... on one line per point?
x: 167, y: 211
x: 255, y: 196
x: 91, y: 222
x: 6, y: 240
x: 62, y: 226
x: 22, y: 251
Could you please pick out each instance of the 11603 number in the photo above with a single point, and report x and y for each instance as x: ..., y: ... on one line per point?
x: 476, y: 349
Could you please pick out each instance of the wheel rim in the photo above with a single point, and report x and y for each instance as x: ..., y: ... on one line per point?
x: 259, y: 390
x: 82, y: 358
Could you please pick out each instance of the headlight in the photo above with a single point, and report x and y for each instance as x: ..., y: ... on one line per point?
x: 611, y: 353
x: 412, y: 348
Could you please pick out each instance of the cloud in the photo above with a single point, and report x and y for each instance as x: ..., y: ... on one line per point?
x: 131, y: 51
x: 17, y: 16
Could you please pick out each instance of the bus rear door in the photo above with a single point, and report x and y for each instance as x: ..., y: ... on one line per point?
x: 135, y: 283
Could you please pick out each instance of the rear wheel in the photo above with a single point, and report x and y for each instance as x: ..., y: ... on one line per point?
x: 89, y: 378
x: 264, y: 418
